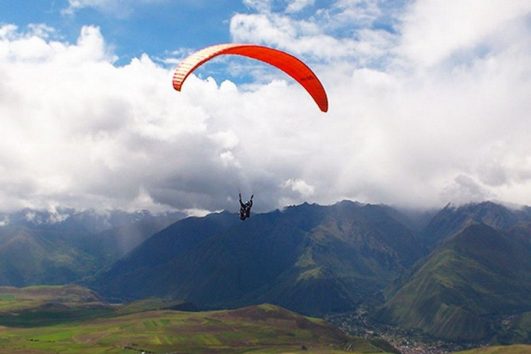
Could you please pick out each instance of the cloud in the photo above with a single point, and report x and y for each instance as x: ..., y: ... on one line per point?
x: 75, y: 5
x: 295, y: 191
x: 423, y: 105
x: 465, y: 189
x: 259, y: 5
x: 405, y: 127
x: 299, y: 186
x: 298, y: 5
x: 344, y: 30
x: 434, y: 30
x: 117, y: 8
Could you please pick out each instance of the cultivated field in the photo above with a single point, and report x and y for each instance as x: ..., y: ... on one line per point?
x: 54, y: 322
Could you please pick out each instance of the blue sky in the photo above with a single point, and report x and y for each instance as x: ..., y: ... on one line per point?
x: 159, y: 27
x: 135, y: 27
x: 429, y: 104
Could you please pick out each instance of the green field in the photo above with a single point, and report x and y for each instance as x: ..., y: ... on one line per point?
x: 506, y: 349
x: 47, y: 325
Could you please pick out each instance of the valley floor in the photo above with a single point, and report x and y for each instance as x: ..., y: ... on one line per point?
x: 358, y: 324
x: 261, y: 329
x: 72, y: 320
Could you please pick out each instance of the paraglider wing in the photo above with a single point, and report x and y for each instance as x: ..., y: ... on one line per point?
x: 283, y: 61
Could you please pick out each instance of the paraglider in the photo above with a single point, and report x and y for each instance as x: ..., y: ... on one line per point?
x: 245, y: 208
x: 288, y: 63
x: 291, y: 65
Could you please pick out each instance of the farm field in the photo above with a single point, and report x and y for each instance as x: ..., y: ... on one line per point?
x: 74, y: 327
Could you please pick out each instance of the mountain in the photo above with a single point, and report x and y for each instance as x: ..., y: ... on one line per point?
x: 112, y: 244
x: 451, y: 220
x: 42, y: 247
x: 471, y: 283
x: 28, y: 256
x: 309, y: 258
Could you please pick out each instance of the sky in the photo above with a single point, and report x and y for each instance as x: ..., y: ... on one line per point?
x: 430, y: 103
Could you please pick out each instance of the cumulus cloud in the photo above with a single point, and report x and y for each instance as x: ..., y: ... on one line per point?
x: 405, y: 126
x: 296, y: 190
x: 299, y: 186
x: 78, y: 130
x: 430, y: 92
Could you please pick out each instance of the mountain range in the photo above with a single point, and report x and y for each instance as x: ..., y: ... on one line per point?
x: 462, y: 273
x: 309, y: 258
x: 475, y: 281
x: 63, y: 246
x: 458, y: 277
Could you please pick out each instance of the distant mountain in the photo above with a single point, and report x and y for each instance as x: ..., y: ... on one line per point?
x: 114, y: 243
x: 309, y: 258
x: 67, y: 219
x: 472, y: 282
x: 452, y: 220
x: 41, y: 247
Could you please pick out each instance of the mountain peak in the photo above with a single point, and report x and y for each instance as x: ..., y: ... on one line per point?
x: 454, y: 219
x: 309, y: 258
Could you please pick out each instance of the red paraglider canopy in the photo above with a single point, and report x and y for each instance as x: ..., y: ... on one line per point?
x: 279, y: 59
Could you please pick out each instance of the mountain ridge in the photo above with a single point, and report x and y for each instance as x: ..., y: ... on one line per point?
x: 467, y: 283
x: 62, y: 246
x: 273, y: 257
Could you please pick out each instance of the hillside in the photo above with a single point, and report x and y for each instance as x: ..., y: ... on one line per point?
x: 73, y: 319
x: 14, y: 299
x: 37, y: 306
x: 40, y: 247
x: 466, y: 286
x: 261, y: 329
x: 309, y: 258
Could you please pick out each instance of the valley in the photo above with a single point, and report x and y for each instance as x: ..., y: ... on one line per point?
x: 428, y: 282
x: 74, y: 320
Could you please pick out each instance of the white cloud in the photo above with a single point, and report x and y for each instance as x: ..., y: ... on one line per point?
x: 326, y: 35
x: 259, y: 5
x: 299, y: 186
x: 298, y: 5
x: 465, y: 189
x: 434, y: 30
x: 353, y: 13
x: 424, y: 105
x: 404, y: 126
x: 117, y: 8
x: 74, y: 5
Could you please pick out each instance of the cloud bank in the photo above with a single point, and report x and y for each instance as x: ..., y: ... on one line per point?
x: 429, y: 103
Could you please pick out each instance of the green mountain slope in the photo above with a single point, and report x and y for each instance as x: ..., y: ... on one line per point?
x: 29, y: 256
x: 466, y: 285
